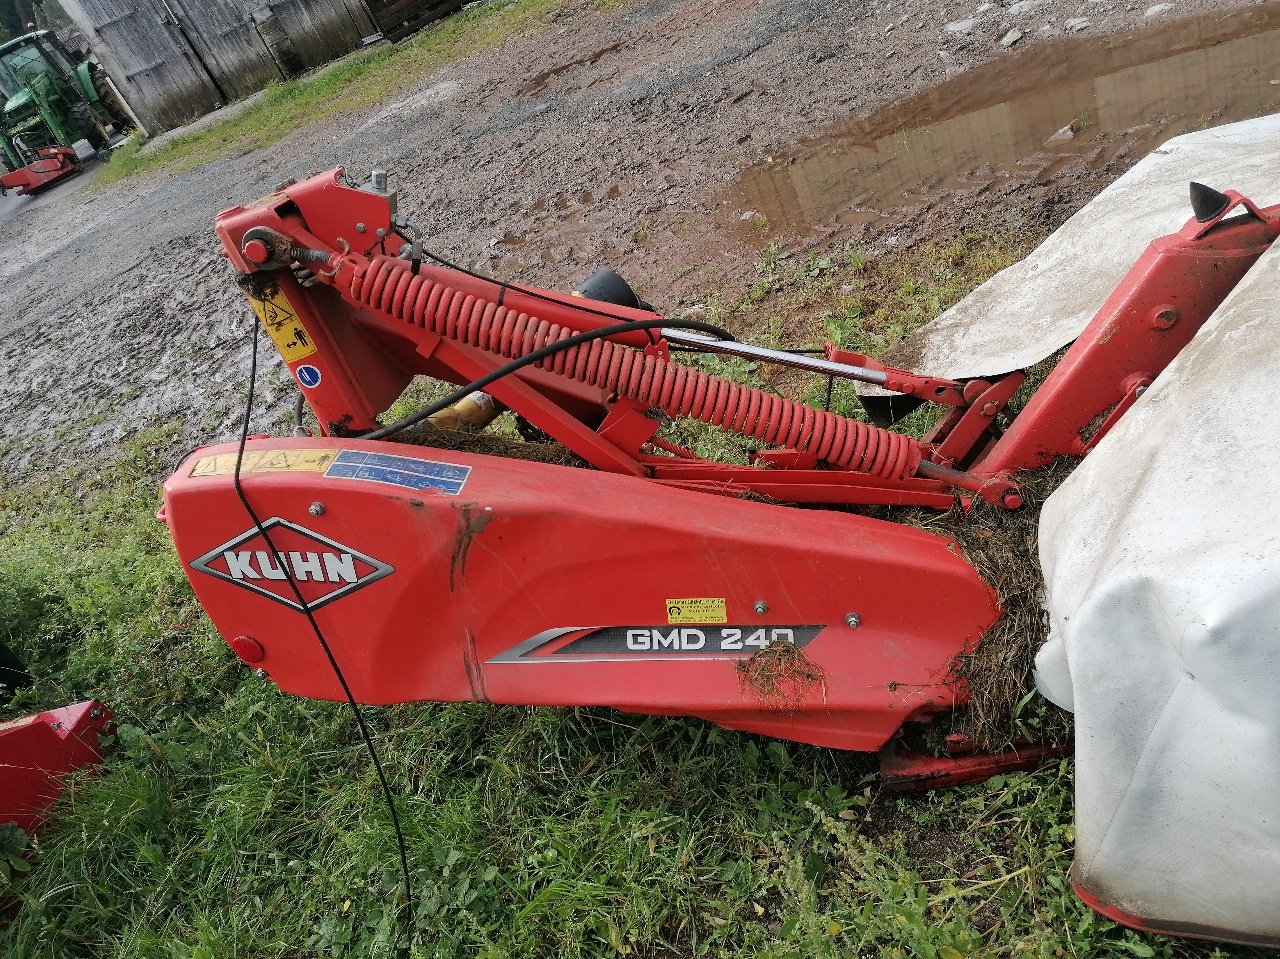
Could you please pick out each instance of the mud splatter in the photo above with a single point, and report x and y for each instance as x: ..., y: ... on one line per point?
x: 475, y: 673
x: 471, y: 520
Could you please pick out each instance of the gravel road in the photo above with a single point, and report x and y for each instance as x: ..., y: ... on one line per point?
x: 605, y: 135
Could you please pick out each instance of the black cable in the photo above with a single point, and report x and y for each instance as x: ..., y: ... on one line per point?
x: 527, y: 291
x: 299, y: 411
x: 365, y: 734
x: 537, y: 294
x: 541, y: 353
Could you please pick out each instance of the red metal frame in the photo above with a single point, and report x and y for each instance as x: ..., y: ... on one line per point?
x: 906, y: 771
x: 1164, y: 300
x: 53, y: 164
x: 447, y: 576
x: 365, y: 355
x: 38, y: 752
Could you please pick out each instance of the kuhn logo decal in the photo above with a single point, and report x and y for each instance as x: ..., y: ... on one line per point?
x: 323, y: 568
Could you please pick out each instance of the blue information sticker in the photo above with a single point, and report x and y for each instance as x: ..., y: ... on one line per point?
x: 405, y: 471
x: 308, y: 375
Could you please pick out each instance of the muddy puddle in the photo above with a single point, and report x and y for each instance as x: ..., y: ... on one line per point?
x: 1073, y: 105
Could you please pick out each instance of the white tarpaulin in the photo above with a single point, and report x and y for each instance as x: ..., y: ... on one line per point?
x: 1161, y: 556
x: 1035, y: 307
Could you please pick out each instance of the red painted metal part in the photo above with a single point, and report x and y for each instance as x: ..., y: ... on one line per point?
x: 524, y: 549
x: 1165, y: 299
x: 38, y: 752
x: 53, y: 164
x: 379, y: 323
x: 904, y: 771
x: 1165, y: 927
x: 516, y: 582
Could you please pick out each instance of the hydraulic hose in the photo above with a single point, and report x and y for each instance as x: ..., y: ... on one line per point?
x: 387, y: 285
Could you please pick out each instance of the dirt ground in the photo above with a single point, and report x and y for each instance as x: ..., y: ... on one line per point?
x: 644, y: 136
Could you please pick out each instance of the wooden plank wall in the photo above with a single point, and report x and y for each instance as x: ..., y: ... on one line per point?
x: 321, y: 29
x: 175, y: 60
x: 399, y: 18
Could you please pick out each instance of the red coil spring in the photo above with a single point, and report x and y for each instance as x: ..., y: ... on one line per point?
x: 386, y: 285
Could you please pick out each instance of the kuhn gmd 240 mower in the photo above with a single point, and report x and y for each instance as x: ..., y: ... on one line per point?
x: 657, y: 581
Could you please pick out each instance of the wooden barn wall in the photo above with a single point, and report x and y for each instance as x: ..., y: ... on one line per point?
x: 322, y: 29
x: 397, y: 19
x: 176, y: 60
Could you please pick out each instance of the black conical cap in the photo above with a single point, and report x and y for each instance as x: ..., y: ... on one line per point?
x: 1206, y: 202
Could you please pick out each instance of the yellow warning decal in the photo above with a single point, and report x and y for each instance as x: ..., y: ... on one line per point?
x: 287, y: 332
x: 266, y: 461
x: 705, y: 609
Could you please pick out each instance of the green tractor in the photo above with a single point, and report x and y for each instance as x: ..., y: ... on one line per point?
x: 51, y: 99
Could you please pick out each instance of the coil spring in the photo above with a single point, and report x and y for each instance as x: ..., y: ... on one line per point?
x: 386, y: 285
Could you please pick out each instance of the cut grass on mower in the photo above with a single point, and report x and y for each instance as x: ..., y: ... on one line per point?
x: 234, y: 821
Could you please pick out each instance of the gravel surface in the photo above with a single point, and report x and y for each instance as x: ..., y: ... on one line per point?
x: 603, y: 136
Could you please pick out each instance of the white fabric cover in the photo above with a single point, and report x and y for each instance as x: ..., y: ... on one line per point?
x: 1161, y: 553
x: 1161, y: 556
x: 1028, y: 311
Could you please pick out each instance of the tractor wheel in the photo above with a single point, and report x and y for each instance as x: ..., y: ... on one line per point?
x: 112, y: 103
x: 89, y: 125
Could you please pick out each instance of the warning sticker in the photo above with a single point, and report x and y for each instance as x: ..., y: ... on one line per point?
x: 406, y: 471
x: 285, y: 329
x: 266, y: 461
x: 705, y: 609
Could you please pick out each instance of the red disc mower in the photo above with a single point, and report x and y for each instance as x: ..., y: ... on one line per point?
x: 52, y: 165
x: 646, y: 578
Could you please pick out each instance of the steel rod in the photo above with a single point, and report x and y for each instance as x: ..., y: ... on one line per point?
x: 762, y: 354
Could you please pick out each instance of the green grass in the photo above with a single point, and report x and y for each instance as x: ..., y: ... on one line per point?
x: 356, y: 81
x: 234, y: 821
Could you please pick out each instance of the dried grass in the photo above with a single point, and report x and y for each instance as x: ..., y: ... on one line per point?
x: 780, y: 676
x: 1003, y: 546
x: 490, y: 444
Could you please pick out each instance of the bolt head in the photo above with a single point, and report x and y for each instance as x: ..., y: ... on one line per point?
x: 248, y: 649
x: 761, y: 607
x: 256, y: 251
x: 260, y: 673
x: 360, y: 228
x: 316, y: 508
x: 853, y: 620
x: 381, y: 233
